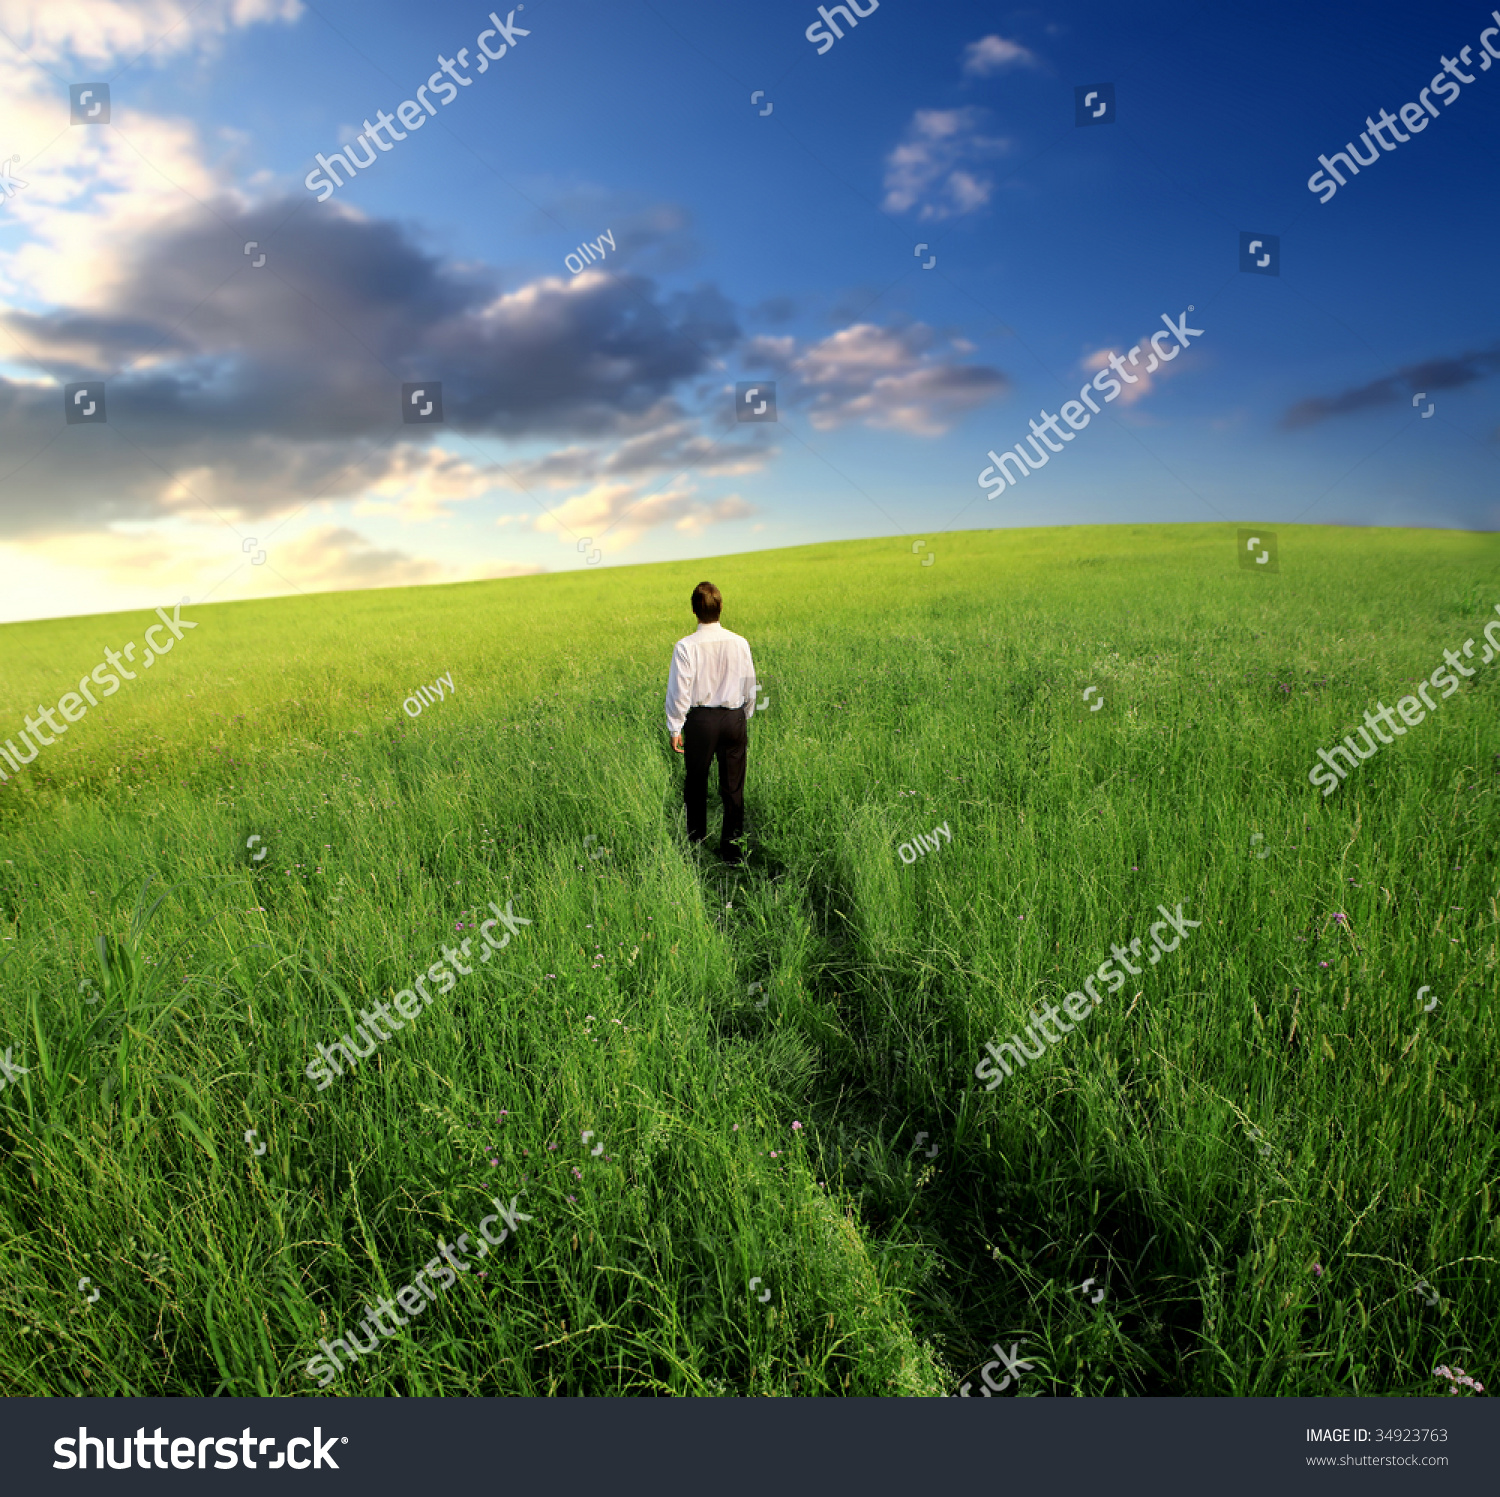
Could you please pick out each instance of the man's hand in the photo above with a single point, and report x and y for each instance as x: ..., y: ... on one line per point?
x: 677, y: 742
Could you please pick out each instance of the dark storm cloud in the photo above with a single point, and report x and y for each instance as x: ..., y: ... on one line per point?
x: 1429, y: 376
x: 673, y: 444
x: 269, y: 383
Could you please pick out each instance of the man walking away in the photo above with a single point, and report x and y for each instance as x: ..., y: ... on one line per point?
x: 710, y: 699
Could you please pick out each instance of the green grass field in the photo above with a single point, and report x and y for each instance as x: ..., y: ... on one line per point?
x: 1259, y: 1149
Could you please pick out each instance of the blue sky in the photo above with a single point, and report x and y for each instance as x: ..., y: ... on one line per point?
x: 255, y: 410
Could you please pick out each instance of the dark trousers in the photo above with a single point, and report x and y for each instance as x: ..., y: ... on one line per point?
x: 715, y: 733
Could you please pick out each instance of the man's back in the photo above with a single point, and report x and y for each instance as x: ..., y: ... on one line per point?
x: 711, y: 667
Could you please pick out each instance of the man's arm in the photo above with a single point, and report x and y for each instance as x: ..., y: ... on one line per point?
x: 751, y: 688
x: 679, y: 693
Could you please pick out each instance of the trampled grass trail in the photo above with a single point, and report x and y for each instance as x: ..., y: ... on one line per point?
x: 1277, y: 1163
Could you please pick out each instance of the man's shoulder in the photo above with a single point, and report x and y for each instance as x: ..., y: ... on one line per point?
x: 724, y: 634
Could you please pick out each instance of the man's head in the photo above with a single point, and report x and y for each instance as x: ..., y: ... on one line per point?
x: 707, y: 603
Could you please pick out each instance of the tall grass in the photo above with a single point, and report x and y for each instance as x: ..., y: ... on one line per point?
x: 1258, y: 1149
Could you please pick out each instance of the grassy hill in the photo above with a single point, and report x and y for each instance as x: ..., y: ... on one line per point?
x: 1259, y: 1147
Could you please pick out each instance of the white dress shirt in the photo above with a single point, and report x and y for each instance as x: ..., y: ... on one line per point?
x: 710, y: 668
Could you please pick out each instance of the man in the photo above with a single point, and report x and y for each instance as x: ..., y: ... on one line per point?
x: 710, y: 698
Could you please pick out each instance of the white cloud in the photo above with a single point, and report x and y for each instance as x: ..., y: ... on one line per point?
x: 937, y: 164
x: 112, y: 31
x: 93, y: 189
x: 256, y: 400
x: 994, y: 54
x: 1147, y: 368
x: 615, y: 515
x: 418, y: 484
x: 669, y: 447
x: 891, y: 380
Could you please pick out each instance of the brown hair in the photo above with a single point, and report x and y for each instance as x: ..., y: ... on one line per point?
x: 708, y: 603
